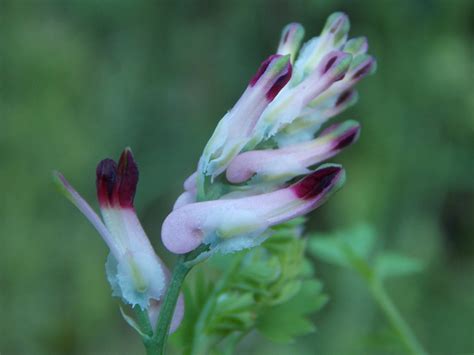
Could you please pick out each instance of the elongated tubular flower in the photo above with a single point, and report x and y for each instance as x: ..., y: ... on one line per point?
x: 286, y: 163
x: 134, y: 271
x: 245, y: 219
x: 235, y: 128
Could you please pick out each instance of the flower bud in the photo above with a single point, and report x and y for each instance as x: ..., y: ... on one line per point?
x: 236, y: 127
x: 280, y: 165
x: 356, y: 46
x: 290, y: 41
x: 291, y: 103
x: 134, y: 271
x: 333, y: 37
x: 234, y: 224
x: 305, y: 127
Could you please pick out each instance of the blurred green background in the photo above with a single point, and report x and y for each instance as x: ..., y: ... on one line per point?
x: 82, y: 79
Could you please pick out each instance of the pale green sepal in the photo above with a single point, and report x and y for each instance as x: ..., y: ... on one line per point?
x: 131, y: 322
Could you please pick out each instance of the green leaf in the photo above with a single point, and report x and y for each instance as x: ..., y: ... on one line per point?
x: 392, y: 264
x: 329, y: 249
x: 282, y: 323
x: 340, y: 248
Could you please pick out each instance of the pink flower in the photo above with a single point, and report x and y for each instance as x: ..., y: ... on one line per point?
x: 233, y: 224
x: 134, y: 271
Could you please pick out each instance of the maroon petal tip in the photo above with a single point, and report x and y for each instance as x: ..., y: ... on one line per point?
x: 366, y: 69
x: 106, y: 177
x: 263, y: 67
x: 345, y: 97
x: 348, y: 138
x: 128, y: 179
x: 317, y: 182
x: 280, y: 83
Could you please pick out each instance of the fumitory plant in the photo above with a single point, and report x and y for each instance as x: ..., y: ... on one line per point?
x: 241, y: 209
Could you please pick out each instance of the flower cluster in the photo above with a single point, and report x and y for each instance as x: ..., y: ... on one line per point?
x: 245, y: 180
x: 257, y: 170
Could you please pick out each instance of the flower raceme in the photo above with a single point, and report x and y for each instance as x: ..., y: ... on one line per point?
x: 134, y: 271
x: 244, y: 183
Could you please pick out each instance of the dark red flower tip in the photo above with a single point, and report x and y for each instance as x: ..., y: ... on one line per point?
x: 128, y: 179
x: 280, y: 77
x: 287, y: 34
x: 316, y: 183
x: 330, y: 62
x: 364, y: 70
x: 116, y: 185
x: 263, y: 67
x: 106, y: 178
x: 280, y: 83
x: 344, y: 97
x: 347, y: 138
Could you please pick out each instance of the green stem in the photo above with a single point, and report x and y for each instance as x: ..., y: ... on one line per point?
x: 169, y: 303
x: 384, y: 301
x: 396, y: 320
x: 200, y: 340
x: 143, y: 321
x: 146, y: 329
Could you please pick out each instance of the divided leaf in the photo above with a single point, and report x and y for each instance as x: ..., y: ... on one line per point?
x: 286, y: 321
x: 392, y: 264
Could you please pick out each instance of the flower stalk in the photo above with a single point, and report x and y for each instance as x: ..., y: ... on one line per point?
x: 401, y: 327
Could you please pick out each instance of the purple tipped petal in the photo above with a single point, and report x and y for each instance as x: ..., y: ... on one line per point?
x: 106, y: 177
x: 116, y: 185
x: 213, y: 221
x: 315, y: 183
x: 274, y: 73
x: 364, y: 66
x: 236, y: 128
x: 128, y: 179
x: 336, y: 25
x: 335, y: 64
x: 345, y: 97
x: 284, y: 164
x: 348, y: 138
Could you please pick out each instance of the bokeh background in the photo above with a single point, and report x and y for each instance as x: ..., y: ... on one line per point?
x: 82, y: 79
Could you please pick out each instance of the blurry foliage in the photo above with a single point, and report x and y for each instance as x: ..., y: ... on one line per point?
x: 82, y: 79
x: 270, y: 288
x: 354, y: 249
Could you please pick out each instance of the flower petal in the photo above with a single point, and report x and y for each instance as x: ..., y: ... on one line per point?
x: 213, y: 221
x: 286, y: 163
x: 73, y: 196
